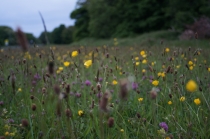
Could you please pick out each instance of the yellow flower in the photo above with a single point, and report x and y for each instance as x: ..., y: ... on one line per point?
x: 80, y: 112
x: 182, y: 99
x: 191, y: 86
x: 143, y: 70
x: 121, y: 130
x: 178, y: 66
x: 66, y: 64
x: 167, y: 138
x: 74, y: 53
x: 114, y: 82
x: 155, y: 82
x: 12, y: 134
x: 190, y: 63
x: 197, y: 101
x: 209, y: 69
x: 163, y: 74
x: 159, y: 74
x: 167, y: 50
x: 58, y: 71
x: 60, y: 68
x: 140, y: 99
x: 136, y: 58
x: 153, y: 63
x: 169, y: 102
x: 19, y: 90
x: 144, y: 61
x: 6, y: 133
x: 137, y: 63
x: 142, y: 53
x: 88, y: 63
x: 163, y: 66
x: 191, y: 67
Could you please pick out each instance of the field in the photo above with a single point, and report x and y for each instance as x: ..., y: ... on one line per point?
x: 106, y: 92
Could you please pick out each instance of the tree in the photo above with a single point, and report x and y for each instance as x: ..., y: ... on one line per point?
x: 7, y: 33
x: 81, y: 16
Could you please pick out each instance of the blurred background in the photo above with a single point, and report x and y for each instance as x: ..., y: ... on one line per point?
x: 69, y: 21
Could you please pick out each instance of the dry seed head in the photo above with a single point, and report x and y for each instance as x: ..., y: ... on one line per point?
x: 22, y: 40
x: 24, y: 122
x: 51, y: 67
x: 111, y: 122
x: 104, y: 102
x: 33, y: 107
x: 57, y: 89
x: 68, y: 113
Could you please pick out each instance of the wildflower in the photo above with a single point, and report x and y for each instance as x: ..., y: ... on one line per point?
x: 143, y: 70
x: 74, y: 53
x: 164, y: 126
x: 153, y: 63
x: 137, y: 63
x: 167, y: 138
x: 182, y: 99
x: 60, y: 68
x: 136, y: 58
x: 134, y: 86
x: 88, y: 63
x: 209, y: 69
x: 1, y: 103
x: 167, y: 50
x: 153, y: 92
x: 144, y: 61
x: 80, y: 112
x: 191, y: 67
x: 66, y: 64
x: 161, y: 131
x: 191, y: 86
x: 19, y: 90
x: 6, y: 133
x: 163, y: 74
x: 142, y: 53
x: 110, y: 122
x: 197, y: 101
x: 169, y: 102
x: 159, y: 74
x: 155, y: 82
x: 121, y: 130
x: 114, y: 82
x: 87, y: 83
x: 190, y: 63
x: 24, y: 122
x: 12, y: 134
x: 178, y: 66
x: 140, y: 99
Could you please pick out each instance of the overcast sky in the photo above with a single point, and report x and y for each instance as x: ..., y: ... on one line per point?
x: 25, y: 14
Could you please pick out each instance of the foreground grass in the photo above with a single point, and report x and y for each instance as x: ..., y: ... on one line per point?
x: 105, y: 92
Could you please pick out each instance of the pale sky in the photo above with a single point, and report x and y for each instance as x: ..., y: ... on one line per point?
x: 25, y: 14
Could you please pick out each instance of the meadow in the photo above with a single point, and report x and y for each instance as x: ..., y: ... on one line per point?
x: 106, y: 92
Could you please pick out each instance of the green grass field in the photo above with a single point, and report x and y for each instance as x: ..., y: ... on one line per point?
x: 134, y: 88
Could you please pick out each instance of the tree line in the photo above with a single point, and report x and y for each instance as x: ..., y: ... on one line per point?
x: 119, y: 18
x: 124, y: 18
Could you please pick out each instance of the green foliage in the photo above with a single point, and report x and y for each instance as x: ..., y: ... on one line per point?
x: 81, y: 24
x: 7, y: 33
x: 124, y: 18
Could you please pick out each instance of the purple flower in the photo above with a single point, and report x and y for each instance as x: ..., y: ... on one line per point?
x: 164, y: 126
x: 37, y: 77
x: 99, y: 95
x: 11, y: 121
x: 87, y: 83
x: 1, y: 103
x: 100, y: 79
x: 78, y: 95
x: 134, y: 86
